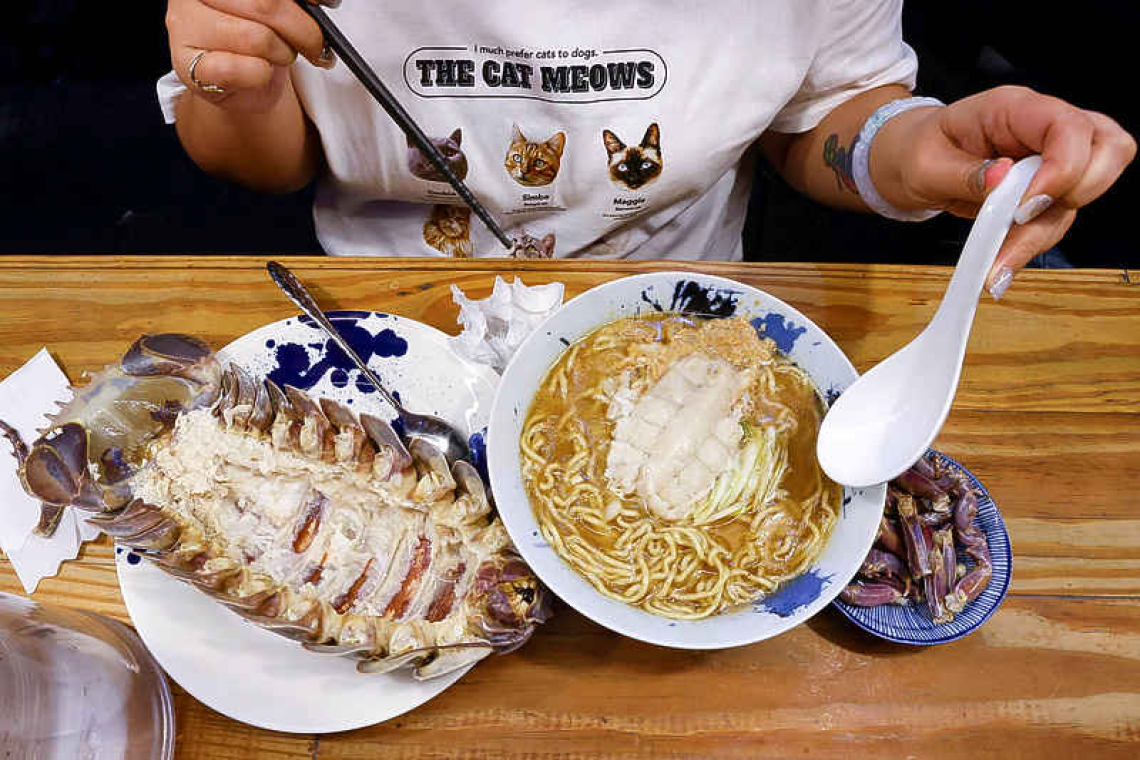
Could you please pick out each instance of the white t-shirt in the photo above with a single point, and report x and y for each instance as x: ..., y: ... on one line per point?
x: 595, y: 128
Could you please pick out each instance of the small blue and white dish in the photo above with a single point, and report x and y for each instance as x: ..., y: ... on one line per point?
x: 912, y: 624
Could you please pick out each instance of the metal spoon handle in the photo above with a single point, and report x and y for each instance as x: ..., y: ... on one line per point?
x: 297, y: 293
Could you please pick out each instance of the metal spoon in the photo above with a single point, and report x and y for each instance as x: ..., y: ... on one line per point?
x: 427, y: 427
x: 885, y: 421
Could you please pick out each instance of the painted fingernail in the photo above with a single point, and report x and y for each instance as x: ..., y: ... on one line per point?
x: 327, y: 58
x: 1001, y: 283
x: 978, y: 178
x: 1032, y: 208
x: 997, y: 170
x: 989, y: 174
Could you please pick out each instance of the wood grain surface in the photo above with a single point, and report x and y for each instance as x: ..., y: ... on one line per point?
x: 1047, y: 416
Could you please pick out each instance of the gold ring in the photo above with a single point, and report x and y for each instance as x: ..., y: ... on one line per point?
x: 203, y: 86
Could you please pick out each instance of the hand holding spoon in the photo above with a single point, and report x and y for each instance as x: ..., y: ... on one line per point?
x: 432, y: 429
x: 888, y: 417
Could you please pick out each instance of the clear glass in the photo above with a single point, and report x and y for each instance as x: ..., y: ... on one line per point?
x: 75, y: 685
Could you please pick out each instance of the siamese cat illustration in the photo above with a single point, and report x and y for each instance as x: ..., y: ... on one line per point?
x: 633, y: 167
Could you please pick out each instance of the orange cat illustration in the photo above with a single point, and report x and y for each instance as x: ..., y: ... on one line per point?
x: 448, y: 230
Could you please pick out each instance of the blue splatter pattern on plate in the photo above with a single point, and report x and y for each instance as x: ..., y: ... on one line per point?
x: 794, y: 594
x: 911, y: 624
x: 414, y: 360
x: 784, y: 332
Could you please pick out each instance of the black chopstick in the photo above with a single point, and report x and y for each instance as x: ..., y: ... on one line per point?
x: 358, y: 66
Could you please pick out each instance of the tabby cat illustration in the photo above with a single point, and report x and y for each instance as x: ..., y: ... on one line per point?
x: 419, y: 165
x: 534, y: 163
x: 527, y: 247
x: 448, y: 230
x: 635, y: 166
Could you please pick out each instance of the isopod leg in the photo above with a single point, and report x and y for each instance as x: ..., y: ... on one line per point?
x: 919, y: 485
x: 890, y: 537
x: 880, y: 563
x: 872, y: 594
x: 19, y: 448
x: 969, y: 588
x: 965, y: 510
x: 914, y: 538
x: 936, y: 584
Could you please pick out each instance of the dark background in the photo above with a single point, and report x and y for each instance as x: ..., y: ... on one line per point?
x: 87, y: 165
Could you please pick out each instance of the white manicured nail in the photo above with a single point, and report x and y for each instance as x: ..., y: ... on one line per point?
x: 1001, y: 283
x: 1032, y: 208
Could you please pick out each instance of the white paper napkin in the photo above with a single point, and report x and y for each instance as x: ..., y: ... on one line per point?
x: 495, y: 327
x: 26, y: 396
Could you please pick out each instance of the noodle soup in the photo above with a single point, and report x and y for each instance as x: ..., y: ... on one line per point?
x: 671, y: 462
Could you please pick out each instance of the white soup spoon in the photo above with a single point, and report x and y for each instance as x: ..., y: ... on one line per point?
x: 887, y: 418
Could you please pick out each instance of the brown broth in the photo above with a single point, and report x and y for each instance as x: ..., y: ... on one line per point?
x: 733, y: 340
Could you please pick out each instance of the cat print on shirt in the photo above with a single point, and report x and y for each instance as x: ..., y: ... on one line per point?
x: 534, y: 163
x: 448, y: 230
x: 528, y: 247
x: 635, y: 166
x: 420, y: 166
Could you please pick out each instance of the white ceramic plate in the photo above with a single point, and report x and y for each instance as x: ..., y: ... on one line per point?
x: 800, y: 339
x: 250, y: 674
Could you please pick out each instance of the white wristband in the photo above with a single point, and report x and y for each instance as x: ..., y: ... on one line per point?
x: 861, y: 154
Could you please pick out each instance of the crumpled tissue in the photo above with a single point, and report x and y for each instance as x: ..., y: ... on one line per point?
x: 26, y: 396
x: 495, y: 327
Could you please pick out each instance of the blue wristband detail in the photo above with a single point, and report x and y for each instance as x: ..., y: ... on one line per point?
x: 861, y: 154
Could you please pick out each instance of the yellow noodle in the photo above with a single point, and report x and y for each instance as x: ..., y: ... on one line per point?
x: 680, y: 570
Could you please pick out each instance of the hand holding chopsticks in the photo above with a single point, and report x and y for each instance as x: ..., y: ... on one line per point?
x: 237, y: 51
x: 340, y: 44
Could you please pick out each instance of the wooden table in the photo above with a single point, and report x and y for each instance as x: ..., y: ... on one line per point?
x: 1047, y: 415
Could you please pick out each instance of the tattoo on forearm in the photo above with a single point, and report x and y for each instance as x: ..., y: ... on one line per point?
x: 838, y: 159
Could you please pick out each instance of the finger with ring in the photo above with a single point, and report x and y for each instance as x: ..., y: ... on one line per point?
x: 213, y: 89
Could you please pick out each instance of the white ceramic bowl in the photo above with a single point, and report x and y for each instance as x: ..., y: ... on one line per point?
x: 800, y: 339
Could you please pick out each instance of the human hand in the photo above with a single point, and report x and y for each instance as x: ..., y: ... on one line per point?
x: 954, y: 156
x: 236, y: 53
